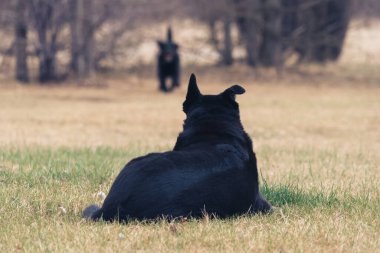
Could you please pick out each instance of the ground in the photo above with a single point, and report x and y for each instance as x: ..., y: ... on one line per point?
x: 315, y: 131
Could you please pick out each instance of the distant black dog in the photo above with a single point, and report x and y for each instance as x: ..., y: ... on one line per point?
x: 212, y: 168
x: 168, y: 63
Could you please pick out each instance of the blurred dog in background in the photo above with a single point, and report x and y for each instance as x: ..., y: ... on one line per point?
x: 168, y: 63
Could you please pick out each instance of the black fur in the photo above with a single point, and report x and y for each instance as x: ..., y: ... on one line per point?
x: 212, y: 168
x: 168, y: 63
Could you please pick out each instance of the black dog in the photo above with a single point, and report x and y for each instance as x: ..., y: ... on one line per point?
x: 212, y: 168
x: 168, y: 63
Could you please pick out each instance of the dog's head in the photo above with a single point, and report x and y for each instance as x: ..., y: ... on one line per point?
x: 224, y: 105
x: 168, y: 49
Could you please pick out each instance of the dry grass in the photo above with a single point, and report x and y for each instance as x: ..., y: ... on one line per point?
x: 315, y: 131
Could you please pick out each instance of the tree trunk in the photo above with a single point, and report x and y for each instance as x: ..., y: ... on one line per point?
x: 227, y: 50
x: 77, y: 38
x: 46, y: 56
x: 327, y: 24
x: 271, y: 47
x: 251, y: 44
x: 213, y: 34
x: 305, y: 46
x: 320, y: 36
x: 248, y: 24
x: 88, y: 49
x: 47, y: 68
x: 82, y: 38
x: 21, y: 32
x: 73, y: 6
x: 43, y: 12
x: 337, y: 25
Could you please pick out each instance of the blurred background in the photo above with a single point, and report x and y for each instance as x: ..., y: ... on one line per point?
x: 83, y: 41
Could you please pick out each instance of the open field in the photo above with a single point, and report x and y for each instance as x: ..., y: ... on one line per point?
x: 317, y: 150
x: 315, y: 132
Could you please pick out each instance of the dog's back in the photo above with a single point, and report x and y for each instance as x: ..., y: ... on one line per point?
x: 211, y: 169
x: 180, y: 183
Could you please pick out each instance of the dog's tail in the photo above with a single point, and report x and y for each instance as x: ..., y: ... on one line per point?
x: 170, y: 36
x: 88, y: 212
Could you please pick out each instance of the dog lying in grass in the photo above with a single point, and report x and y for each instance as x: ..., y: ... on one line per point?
x: 212, y: 169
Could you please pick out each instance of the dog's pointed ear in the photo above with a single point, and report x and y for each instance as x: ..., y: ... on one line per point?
x: 231, y: 92
x: 170, y: 34
x: 161, y: 44
x: 193, y: 93
x: 193, y: 90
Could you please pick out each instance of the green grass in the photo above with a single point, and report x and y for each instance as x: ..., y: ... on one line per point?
x: 31, y: 167
x: 36, y: 182
x: 43, y: 165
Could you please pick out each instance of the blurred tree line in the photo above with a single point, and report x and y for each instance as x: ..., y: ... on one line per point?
x: 88, y: 29
x: 269, y: 30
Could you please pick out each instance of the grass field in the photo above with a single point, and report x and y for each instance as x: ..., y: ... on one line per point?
x: 316, y: 137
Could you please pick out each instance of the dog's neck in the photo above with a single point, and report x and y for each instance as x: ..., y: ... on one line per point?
x: 212, y: 132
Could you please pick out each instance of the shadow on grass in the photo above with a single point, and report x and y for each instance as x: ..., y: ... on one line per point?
x: 295, y: 196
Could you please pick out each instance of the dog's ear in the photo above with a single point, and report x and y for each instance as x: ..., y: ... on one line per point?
x: 193, y: 90
x: 161, y: 44
x: 193, y: 93
x: 231, y: 92
x: 170, y: 34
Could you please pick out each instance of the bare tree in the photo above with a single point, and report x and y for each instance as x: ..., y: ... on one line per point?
x: 248, y: 19
x: 48, y: 17
x: 88, y: 18
x: 315, y: 29
x: 84, y: 23
x: 220, y: 20
x: 76, y: 27
x: 21, y: 32
x: 227, y: 52
x: 89, y: 37
x: 271, y: 46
